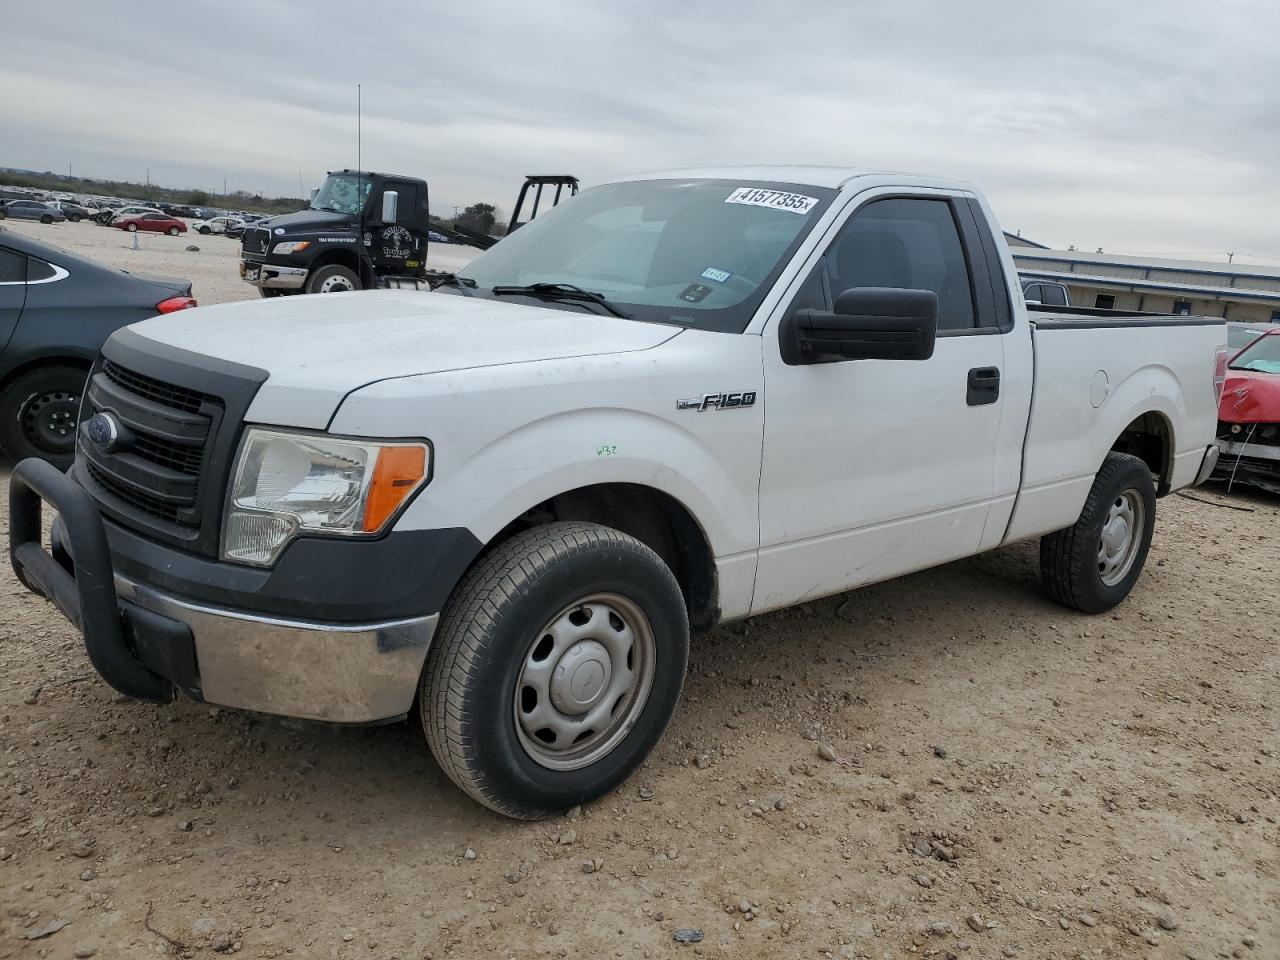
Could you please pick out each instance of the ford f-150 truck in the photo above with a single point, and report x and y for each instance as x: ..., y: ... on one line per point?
x: 672, y: 401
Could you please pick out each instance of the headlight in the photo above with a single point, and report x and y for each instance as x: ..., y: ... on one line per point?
x: 286, y: 484
x: 291, y: 246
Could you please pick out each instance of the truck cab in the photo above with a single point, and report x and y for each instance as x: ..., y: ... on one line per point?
x: 361, y: 230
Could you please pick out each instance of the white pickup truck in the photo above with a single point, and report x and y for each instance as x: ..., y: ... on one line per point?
x: 673, y: 401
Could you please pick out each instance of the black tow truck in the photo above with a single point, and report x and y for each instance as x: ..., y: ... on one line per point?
x: 365, y: 230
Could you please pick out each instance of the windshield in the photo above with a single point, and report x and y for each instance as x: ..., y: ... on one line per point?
x: 1262, y: 355
x: 342, y: 193
x: 698, y: 253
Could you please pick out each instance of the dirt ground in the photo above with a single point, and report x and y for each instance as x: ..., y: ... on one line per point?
x: 214, y: 269
x: 1009, y: 780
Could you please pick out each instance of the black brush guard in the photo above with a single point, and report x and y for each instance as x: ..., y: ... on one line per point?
x: 77, y: 577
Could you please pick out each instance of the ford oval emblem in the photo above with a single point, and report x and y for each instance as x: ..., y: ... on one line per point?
x: 103, y: 430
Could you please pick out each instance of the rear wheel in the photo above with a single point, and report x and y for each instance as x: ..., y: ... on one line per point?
x: 558, y: 664
x: 38, y: 413
x: 1093, y: 564
x: 332, y: 279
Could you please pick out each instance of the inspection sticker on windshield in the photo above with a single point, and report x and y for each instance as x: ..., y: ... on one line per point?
x: 774, y: 199
x: 719, y: 276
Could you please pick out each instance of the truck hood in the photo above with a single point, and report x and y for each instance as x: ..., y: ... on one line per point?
x: 316, y: 349
x: 1250, y: 396
x: 308, y: 220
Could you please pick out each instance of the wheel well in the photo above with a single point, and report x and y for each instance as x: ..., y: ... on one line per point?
x: 655, y: 519
x: 78, y: 362
x: 1150, y: 439
x: 345, y: 258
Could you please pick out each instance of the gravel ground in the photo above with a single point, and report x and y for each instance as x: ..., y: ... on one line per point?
x: 945, y: 766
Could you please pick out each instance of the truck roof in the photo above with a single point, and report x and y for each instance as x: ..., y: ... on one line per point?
x: 812, y: 175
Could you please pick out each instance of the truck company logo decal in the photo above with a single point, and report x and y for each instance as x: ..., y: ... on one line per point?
x: 719, y: 401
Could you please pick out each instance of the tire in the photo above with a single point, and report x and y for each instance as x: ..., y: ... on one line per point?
x: 74, y: 218
x: 3, y: 215
x: 132, y: 228
x: 205, y: 230
x: 38, y: 414
x: 173, y: 231
x: 332, y: 279
x: 1092, y: 565
x: 46, y: 219
x: 480, y: 697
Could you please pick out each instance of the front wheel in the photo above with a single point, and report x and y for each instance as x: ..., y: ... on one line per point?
x: 132, y: 228
x: 332, y: 279
x: 1093, y: 564
x: 205, y: 230
x: 557, y: 665
x: 174, y: 231
x: 38, y: 412
x: 74, y: 217
x: 46, y: 219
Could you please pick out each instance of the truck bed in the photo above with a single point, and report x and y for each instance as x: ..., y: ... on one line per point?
x: 1097, y: 375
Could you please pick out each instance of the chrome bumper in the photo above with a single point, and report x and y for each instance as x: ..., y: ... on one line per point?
x: 274, y: 277
x: 345, y: 673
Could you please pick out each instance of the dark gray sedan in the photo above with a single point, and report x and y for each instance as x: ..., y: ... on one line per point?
x: 31, y: 210
x: 56, y: 310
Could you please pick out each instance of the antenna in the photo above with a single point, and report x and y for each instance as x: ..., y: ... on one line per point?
x: 359, y: 166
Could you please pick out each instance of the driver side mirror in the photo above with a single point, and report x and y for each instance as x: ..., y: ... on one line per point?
x: 390, y: 201
x: 869, y: 323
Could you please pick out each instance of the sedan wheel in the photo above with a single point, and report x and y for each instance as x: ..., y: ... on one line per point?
x: 38, y: 412
x: 174, y: 231
x: 132, y: 228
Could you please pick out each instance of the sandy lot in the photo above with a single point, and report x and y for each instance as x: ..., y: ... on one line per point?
x: 1011, y: 780
x: 214, y: 269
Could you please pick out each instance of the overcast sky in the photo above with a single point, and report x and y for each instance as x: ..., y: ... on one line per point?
x: 1136, y: 127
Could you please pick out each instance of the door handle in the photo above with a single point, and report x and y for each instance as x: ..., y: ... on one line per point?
x: 984, y: 386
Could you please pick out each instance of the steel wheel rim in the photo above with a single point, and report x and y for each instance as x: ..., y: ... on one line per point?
x: 49, y: 420
x: 1121, y: 537
x: 584, y: 680
x: 335, y: 285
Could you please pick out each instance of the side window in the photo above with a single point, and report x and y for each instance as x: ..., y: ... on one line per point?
x: 12, y: 266
x: 39, y: 270
x: 1032, y: 291
x: 911, y: 243
x: 1054, y: 295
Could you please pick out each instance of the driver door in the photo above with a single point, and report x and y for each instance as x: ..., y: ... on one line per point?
x: 874, y: 468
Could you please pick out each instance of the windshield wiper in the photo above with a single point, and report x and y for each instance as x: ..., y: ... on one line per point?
x: 560, y: 291
x: 464, y: 284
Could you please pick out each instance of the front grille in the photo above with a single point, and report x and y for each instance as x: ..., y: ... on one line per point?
x: 166, y: 394
x: 134, y: 497
x: 156, y: 467
x: 254, y: 241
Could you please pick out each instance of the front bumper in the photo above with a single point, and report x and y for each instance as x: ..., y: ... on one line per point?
x: 150, y: 644
x: 1250, y: 464
x: 272, y: 276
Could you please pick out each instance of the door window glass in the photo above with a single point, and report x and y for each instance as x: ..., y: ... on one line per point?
x: 11, y: 266
x: 909, y: 243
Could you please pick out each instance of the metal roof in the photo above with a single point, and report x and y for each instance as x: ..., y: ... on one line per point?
x: 1151, y: 263
x: 1139, y: 284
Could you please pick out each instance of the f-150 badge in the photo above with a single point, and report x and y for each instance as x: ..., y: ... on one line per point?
x: 718, y: 401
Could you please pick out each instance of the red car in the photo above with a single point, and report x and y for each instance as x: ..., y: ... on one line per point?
x: 157, y: 222
x: 1249, y: 416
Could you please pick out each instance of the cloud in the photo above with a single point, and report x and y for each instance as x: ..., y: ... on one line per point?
x: 1125, y: 126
